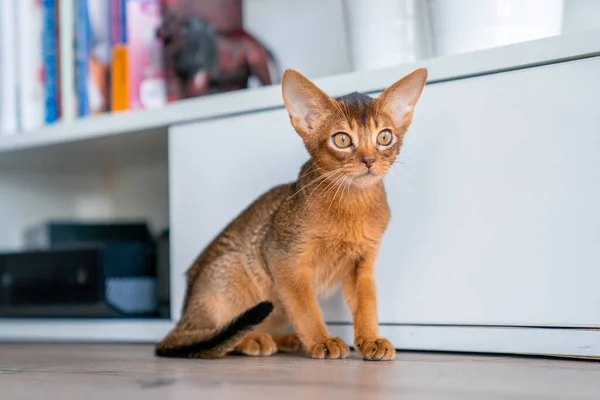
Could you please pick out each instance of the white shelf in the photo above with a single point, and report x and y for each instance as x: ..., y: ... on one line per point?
x: 539, y: 52
x: 96, y: 330
x: 525, y: 340
x: 95, y: 155
x: 122, y: 123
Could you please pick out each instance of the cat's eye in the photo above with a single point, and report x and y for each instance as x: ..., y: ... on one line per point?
x: 384, y: 138
x: 341, y: 140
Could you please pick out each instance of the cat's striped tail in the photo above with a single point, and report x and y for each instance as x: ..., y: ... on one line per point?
x: 178, y: 344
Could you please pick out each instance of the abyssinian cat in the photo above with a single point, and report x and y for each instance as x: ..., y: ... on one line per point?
x: 301, y: 240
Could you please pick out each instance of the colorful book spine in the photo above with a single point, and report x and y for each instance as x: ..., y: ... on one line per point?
x: 50, y: 57
x: 8, y: 70
x: 119, y: 71
x: 146, y: 72
x: 99, y: 55
x: 92, y: 55
x: 116, y: 22
x: 68, y: 104
x: 31, y: 99
x: 81, y: 57
x: 114, y: 31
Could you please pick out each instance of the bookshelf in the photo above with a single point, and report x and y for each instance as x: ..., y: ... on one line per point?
x: 121, y: 164
x: 538, y: 52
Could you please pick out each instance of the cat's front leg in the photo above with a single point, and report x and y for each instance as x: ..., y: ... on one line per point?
x: 295, y: 289
x: 361, y: 295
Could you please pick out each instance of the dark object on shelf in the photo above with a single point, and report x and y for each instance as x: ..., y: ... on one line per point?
x: 117, y: 280
x: 54, y: 234
x: 206, y: 50
x: 191, y: 47
x: 81, y: 270
x: 163, y: 274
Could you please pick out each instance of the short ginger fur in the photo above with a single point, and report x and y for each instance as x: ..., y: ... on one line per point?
x: 302, y: 240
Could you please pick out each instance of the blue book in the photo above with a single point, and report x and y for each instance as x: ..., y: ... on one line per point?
x: 82, y: 31
x: 50, y: 59
x: 123, y: 21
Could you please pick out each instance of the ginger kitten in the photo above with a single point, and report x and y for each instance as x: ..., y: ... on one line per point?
x: 298, y: 241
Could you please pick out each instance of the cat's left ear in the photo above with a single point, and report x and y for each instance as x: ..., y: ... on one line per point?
x: 304, y: 101
x: 399, y: 100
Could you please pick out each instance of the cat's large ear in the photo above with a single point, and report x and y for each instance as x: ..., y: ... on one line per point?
x: 399, y: 100
x: 305, y: 102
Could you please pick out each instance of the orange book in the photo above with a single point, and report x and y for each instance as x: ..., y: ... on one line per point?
x: 119, y: 64
x: 120, y: 78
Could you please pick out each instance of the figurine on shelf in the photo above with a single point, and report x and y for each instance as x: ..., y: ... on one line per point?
x: 206, y: 50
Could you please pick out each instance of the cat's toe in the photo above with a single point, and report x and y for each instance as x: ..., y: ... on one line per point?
x: 257, y: 345
x: 333, y: 348
x: 376, y: 350
x: 288, y: 343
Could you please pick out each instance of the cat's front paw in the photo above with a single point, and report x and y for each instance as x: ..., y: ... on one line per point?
x: 376, y: 350
x: 333, y: 347
x: 257, y: 344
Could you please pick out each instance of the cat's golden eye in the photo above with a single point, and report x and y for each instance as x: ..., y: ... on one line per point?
x: 384, y: 138
x: 341, y: 140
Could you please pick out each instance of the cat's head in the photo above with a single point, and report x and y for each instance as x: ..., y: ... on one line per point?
x: 358, y: 135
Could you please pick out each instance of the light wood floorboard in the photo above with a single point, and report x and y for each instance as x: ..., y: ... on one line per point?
x: 115, y: 372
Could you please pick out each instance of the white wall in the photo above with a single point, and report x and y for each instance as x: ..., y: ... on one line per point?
x: 312, y: 37
x: 29, y: 198
x: 581, y: 15
x: 307, y: 35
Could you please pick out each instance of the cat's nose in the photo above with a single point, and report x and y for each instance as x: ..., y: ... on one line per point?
x: 368, y: 161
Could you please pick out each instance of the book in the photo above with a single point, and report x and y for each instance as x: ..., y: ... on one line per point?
x: 30, y: 66
x: 68, y: 106
x: 119, y: 65
x: 146, y: 74
x: 92, y: 56
x: 117, y: 11
x: 8, y: 70
x: 50, y: 58
x: 81, y: 58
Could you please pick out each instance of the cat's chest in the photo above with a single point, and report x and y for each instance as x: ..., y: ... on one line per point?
x: 338, y: 238
x: 329, y: 270
x: 348, y: 232
x: 337, y: 250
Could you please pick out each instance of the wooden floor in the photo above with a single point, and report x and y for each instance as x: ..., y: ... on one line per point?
x: 115, y: 372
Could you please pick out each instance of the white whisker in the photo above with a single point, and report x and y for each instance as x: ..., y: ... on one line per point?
x: 339, y: 186
x: 346, y: 188
x: 319, y: 195
x: 395, y: 182
x: 321, y: 178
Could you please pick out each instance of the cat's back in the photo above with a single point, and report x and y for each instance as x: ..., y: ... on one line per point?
x: 259, y: 214
x: 245, y: 233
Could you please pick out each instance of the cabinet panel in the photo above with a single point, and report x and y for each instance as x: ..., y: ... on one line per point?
x: 495, y: 216
x: 498, y: 222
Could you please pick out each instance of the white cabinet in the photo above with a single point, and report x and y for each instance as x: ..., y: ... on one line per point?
x: 494, y: 240
x: 499, y: 222
x: 495, y: 216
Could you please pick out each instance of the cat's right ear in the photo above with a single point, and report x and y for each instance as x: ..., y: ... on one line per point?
x: 304, y: 101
